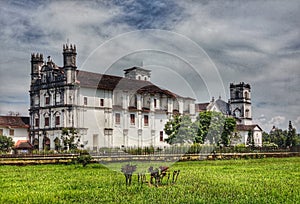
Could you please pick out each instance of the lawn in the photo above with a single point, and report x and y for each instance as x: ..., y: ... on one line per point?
x: 228, y: 181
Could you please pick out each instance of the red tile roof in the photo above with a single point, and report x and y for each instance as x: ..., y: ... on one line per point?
x: 23, y: 144
x: 109, y: 82
x: 14, y: 121
x: 201, y: 107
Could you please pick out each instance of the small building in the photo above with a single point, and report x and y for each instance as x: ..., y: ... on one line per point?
x: 244, y: 131
x: 16, y: 127
x: 23, y: 147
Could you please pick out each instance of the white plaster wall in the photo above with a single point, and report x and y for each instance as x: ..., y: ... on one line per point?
x: 19, y: 133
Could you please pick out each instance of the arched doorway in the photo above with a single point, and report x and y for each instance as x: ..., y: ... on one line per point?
x: 57, y: 144
x: 46, y: 143
x: 35, y: 143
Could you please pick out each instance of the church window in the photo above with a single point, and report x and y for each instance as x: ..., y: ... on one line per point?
x: 58, y: 98
x: 145, y: 78
x: 95, y: 142
x: 47, y: 100
x: 57, y: 120
x: 237, y: 94
x: 146, y: 120
x: 161, y: 136
x: 46, y: 121
x: 155, y: 103
x: 139, y: 77
x: 101, y: 102
x: 36, y: 100
x: 246, y: 95
x: 11, y: 132
x: 37, y: 122
x: 247, y: 113
x: 117, y: 118
x: 237, y: 113
x: 132, y: 119
x: 85, y: 101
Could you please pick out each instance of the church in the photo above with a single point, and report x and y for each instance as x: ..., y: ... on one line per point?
x: 239, y: 107
x: 113, y: 111
x: 105, y: 110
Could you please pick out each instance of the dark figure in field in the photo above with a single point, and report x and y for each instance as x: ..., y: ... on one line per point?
x: 154, y: 175
x: 175, y: 176
x: 164, y: 170
x: 128, y: 171
x: 157, y: 175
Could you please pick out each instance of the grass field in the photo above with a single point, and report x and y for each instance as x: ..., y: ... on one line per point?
x: 228, y: 181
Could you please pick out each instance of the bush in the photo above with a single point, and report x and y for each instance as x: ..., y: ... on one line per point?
x: 270, y: 145
x: 84, y: 159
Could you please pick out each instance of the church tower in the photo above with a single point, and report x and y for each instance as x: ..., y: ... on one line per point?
x: 36, y: 65
x: 69, y: 54
x: 240, y: 102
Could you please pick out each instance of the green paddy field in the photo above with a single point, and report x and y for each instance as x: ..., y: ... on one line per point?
x: 269, y: 180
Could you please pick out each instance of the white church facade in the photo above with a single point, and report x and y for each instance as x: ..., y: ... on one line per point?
x: 105, y: 110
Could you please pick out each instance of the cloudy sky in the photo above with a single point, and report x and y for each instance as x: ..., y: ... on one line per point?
x: 194, y: 48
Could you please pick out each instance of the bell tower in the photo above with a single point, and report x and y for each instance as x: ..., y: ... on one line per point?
x: 69, y: 55
x: 36, y: 65
x: 240, y: 102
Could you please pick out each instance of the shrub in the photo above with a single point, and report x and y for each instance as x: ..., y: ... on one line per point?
x: 84, y: 159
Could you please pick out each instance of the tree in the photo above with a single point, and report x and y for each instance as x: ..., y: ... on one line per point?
x: 180, y: 129
x: 278, y: 136
x: 6, y: 143
x: 70, y: 138
x: 229, y: 127
x: 203, y: 122
x: 266, y: 137
x: 211, y: 126
x: 291, y: 136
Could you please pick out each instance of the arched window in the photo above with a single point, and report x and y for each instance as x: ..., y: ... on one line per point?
x: 247, y: 113
x: 46, y: 143
x: 46, y: 119
x: 247, y: 95
x: 237, y: 94
x: 58, y: 98
x: 57, y: 144
x: 57, y: 117
x: 237, y: 113
x: 35, y: 143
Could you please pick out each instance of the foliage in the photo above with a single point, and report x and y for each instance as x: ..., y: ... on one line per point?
x: 84, y: 159
x: 6, y: 143
x: 70, y: 138
x: 270, y: 145
x: 215, y: 127
x: 209, y: 126
x: 291, y: 136
x: 269, y: 180
x: 282, y: 138
x: 229, y: 128
x: 180, y: 129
